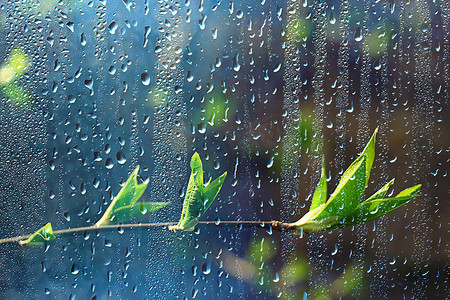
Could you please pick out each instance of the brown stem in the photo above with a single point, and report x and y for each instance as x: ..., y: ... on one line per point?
x: 274, y: 225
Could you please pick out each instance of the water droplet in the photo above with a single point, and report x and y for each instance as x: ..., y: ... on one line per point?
x: 121, y: 159
x: 236, y: 65
x: 270, y: 164
x: 145, y: 78
x: 202, y: 22
x: 377, y: 64
x: 96, y: 182
x: 113, y: 27
x: 335, y: 250
x: 109, y: 163
x: 332, y: 18
x: 83, y: 39
x: 190, y: 76
x: 358, y: 34
x: 74, y: 270
x: 83, y: 188
x: 277, y: 68
x: 206, y: 268
x: 202, y: 128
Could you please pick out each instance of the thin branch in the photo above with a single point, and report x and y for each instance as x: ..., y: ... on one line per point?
x: 271, y: 225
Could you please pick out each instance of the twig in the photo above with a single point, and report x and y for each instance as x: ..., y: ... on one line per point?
x: 273, y: 225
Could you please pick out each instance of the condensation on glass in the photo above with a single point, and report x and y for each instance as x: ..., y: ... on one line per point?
x: 90, y: 89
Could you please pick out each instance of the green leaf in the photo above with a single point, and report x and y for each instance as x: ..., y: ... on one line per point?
x: 369, y: 210
x: 320, y: 194
x: 381, y: 192
x: 12, y: 68
x: 197, y: 169
x: 308, y: 223
x: 124, y: 206
x: 210, y: 192
x: 198, y: 197
x: 372, y: 209
x: 369, y: 154
x: 348, y: 193
x: 350, y: 189
x: 343, y: 208
x: 409, y: 191
x: 40, y: 237
x: 129, y: 212
x: 130, y: 192
x: 344, y: 199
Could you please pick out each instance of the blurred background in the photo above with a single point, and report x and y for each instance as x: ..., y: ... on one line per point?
x: 262, y: 89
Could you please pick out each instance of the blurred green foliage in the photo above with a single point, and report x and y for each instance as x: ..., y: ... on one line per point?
x: 16, y: 64
x: 299, y: 30
x: 291, y: 280
x: 216, y: 110
x: 41, y: 6
x: 159, y: 96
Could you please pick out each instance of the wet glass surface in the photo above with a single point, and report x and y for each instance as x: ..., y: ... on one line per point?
x: 91, y: 89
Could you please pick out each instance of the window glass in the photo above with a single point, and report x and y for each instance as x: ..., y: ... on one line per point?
x: 262, y: 90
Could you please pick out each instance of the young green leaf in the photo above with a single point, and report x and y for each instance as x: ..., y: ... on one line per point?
x: 372, y: 209
x: 352, y: 184
x: 409, y: 191
x: 198, y: 197
x: 369, y: 154
x: 210, y: 192
x: 343, y: 208
x: 311, y: 223
x: 320, y: 194
x: 381, y: 192
x: 344, y: 199
x: 124, y: 207
x: 40, y: 237
x: 133, y: 211
x: 348, y: 193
